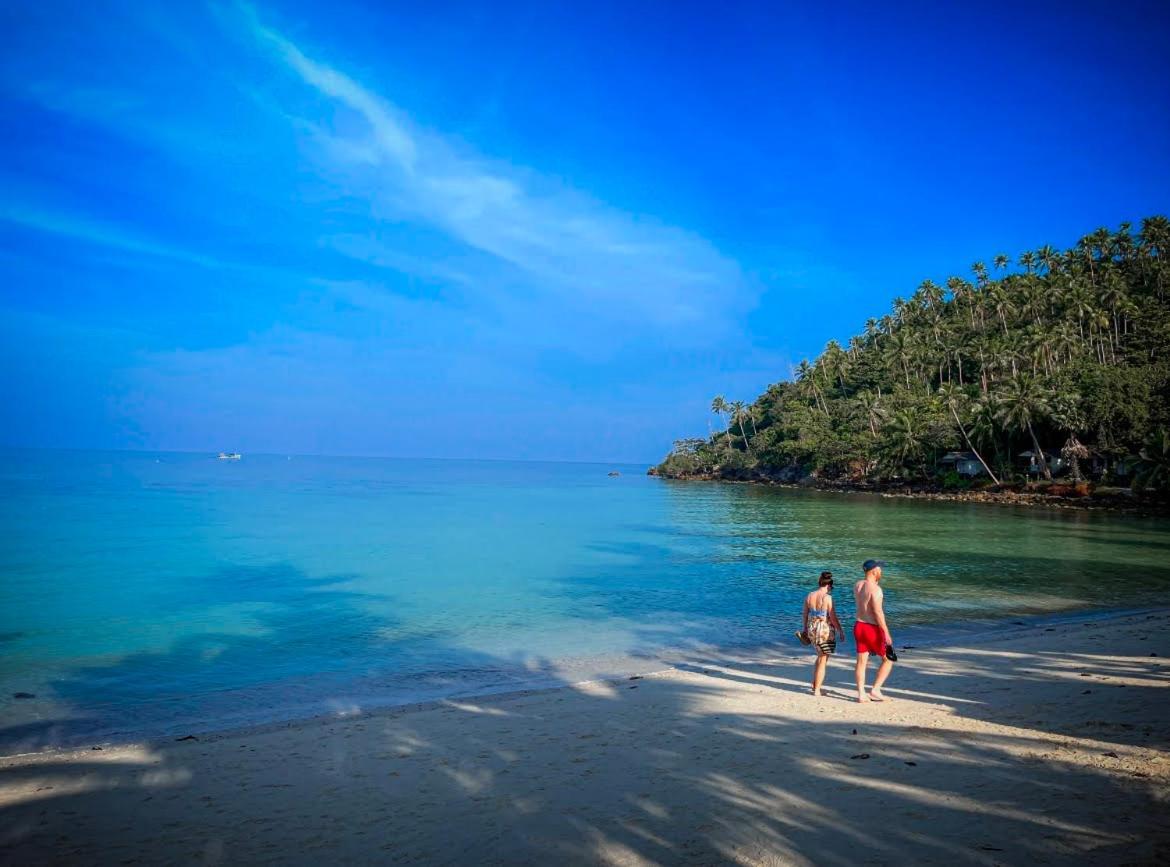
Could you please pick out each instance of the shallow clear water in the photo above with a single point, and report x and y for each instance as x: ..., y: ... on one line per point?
x: 155, y: 593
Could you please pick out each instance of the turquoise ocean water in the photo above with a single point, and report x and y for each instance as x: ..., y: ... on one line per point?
x: 154, y: 594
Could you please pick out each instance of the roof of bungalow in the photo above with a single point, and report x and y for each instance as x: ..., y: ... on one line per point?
x: 955, y: 457
x: 1031, y: 454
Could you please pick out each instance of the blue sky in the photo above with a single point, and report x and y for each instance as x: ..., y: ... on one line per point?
x: 537, y: 231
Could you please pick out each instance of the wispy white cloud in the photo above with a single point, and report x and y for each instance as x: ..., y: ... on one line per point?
x: 101, y: 234
x: 347, y: 265
x: 383, y: 255
x: 588, y: 255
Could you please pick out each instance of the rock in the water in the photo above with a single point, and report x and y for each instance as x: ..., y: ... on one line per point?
x: 615, y: 473
x: 24, y: 695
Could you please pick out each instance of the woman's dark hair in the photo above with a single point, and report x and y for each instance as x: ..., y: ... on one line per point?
x: 826, y: 580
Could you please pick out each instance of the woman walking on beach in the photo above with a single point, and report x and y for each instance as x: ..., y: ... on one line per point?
x: 820, y: 624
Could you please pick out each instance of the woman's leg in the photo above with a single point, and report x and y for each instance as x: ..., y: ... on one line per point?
x: 819, y: 672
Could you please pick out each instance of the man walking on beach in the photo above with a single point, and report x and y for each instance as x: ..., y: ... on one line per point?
x: 870, y: 632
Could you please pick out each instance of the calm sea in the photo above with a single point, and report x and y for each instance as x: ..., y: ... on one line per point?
x: 154, y: 594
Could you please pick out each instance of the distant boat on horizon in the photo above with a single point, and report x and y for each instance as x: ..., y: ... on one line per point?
x: 229, y: 456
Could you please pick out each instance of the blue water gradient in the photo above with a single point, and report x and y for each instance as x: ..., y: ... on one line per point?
x: 145, y: 594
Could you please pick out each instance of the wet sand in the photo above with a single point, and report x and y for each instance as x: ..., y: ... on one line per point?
x: 1046, y: 746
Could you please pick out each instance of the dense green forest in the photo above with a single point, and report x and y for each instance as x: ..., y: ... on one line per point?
x: 1062, y: 355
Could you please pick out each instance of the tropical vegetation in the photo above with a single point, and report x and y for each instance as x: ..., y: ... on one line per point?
x: 1060, y: 356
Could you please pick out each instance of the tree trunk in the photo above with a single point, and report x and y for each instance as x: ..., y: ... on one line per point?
x: 821, y: 399
x: 746, y: 442
x: 974, y: 450
x: 1039, y: 452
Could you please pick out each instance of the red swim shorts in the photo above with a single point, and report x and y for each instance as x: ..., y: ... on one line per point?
x: 869, y: 638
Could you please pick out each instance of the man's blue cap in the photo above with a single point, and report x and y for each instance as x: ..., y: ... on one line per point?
x: 872, y: 564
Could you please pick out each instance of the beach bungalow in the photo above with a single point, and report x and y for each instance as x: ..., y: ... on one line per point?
x: 1056, y: 464
x: 1096, y: 466
x: 963, y: 463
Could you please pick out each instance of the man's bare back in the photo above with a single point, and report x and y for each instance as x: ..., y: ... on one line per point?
x: 868, y: 596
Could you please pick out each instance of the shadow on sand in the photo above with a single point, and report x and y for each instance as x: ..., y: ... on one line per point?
x: 631, y: 771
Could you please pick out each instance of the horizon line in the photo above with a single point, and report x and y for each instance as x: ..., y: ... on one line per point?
x: 387, y: 457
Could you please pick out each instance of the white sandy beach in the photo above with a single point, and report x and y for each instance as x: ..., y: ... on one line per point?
x: 1045, y: 747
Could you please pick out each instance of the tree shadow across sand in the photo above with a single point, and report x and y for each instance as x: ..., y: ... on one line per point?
x: 656, y: 770
x: 313, y: 645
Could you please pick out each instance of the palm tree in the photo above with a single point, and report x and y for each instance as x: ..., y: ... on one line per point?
x: 1022, y: 402
x: 1048, y: 257
x: 1155, y: 235
x: 1080, y: 302
x: 899, y: 349
x: 720, y: 407
x: 931, y: 292
x: 906, y: 440
x: 871, y: 409
x: 1154, y: 240
x: 984, y: 427
x: 806, y: 377
x: 1123, y: 244
x: 963, y: 294
x: 1001, y: 303
x: 835, y: 361
x: 1063, y: 341
x: 1112, y: 295
x: 738, y: 411
x: 899, y: 307
x: 954, y: 398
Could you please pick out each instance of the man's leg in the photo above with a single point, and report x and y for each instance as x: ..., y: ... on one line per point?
x: 862, y: 661
x: 883, y: 672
